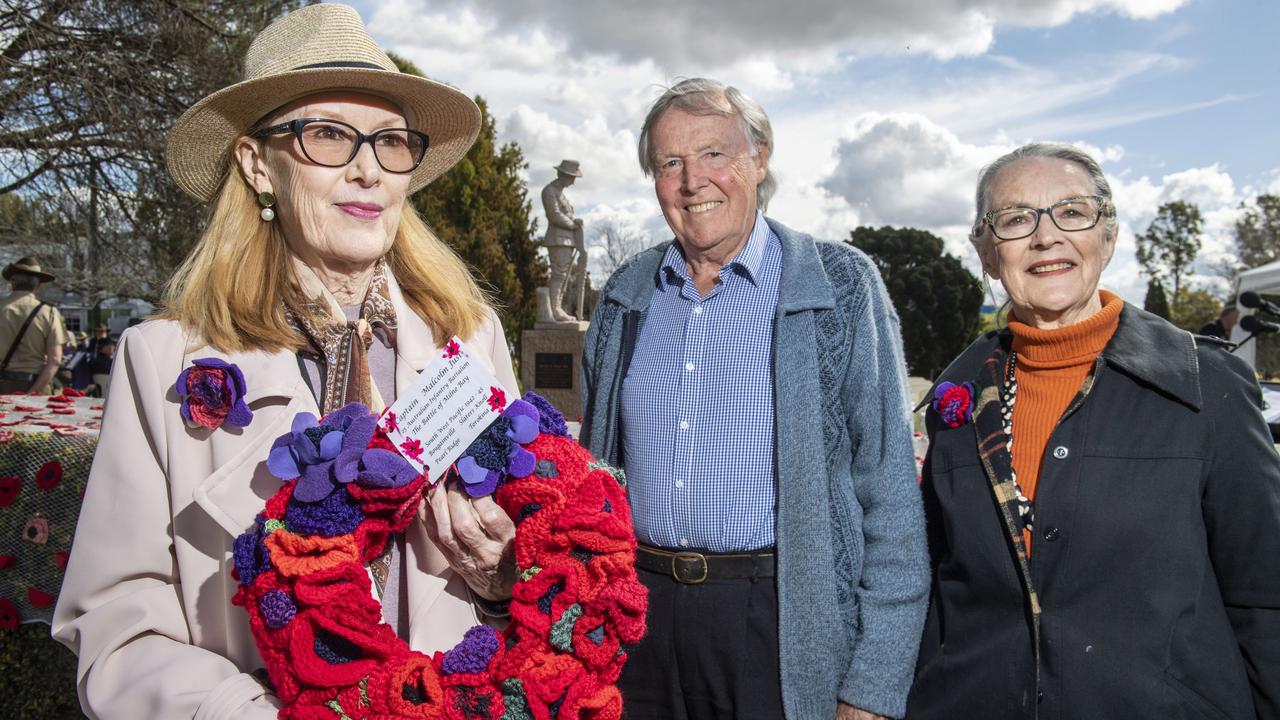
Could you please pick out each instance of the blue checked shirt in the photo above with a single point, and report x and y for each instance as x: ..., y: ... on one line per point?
x: 697, y: 405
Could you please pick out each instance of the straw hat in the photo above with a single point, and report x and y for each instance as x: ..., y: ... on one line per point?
x: 569, y: 167
x: 29, y: 266
x: 317, y: 48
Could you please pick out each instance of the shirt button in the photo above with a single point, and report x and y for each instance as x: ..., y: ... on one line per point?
x: 684, y: 424
x: 1060, y: 452
x: 697, y: 309
x: 684, y: 543
x: 679, y: 483
x: 1052, y: 534
x: 688, y: 366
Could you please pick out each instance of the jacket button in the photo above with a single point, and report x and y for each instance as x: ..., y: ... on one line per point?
x: 1060, y: 452
x: 1052, y: 534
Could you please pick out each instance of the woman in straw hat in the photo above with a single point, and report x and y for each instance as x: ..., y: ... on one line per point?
x: 315, y: 285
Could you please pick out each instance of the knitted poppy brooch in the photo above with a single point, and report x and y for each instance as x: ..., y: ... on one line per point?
x: 318, y: 627
x: 212, y: 392
x: 953, y: 403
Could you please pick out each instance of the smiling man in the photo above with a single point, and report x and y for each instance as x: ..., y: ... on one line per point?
x: 751, y: 383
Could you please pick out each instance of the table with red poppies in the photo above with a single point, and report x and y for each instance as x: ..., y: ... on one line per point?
x: 46, y: 449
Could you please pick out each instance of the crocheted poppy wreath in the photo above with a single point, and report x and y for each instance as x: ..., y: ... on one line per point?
x: 319, y: 629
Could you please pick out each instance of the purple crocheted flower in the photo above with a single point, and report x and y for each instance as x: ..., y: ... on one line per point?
x: 250, y: 554
x: 953, y: 403
x: 497, y: 453
x: 550, y: 420
x: 473, y: 654
x: 336, y: 514
x: 322, y: 454
x: 277, y: 608
x: 212, y: 392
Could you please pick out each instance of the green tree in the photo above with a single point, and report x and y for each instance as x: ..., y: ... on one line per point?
x: 938, y: 301
x: 1169, y: 247
x: 1258, y: 232
x: 1191, y: 309
x: 481, y: 208
x: 1156, y: 302
x: 88, y: 91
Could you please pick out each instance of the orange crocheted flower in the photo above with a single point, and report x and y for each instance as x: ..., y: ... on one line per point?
x: 295, y: 555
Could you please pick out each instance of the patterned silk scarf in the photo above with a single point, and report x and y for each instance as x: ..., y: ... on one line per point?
x: 342, y: 344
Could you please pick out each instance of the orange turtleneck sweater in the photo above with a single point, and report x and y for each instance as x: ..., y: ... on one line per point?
x: 1052, y: 365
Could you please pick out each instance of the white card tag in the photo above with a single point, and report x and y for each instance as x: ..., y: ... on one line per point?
x: 454, y: 399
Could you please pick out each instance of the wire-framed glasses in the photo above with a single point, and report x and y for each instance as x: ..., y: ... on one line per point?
x: 333, y: 143
x: 1070, y: 215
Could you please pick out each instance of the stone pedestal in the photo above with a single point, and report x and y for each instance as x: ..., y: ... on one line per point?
x: 551, y: 364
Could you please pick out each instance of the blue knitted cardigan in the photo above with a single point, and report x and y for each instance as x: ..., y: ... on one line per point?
x: 852, y: 581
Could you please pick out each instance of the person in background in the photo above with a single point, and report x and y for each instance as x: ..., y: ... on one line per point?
x: 1101, y: 491
x: 32, y: 332
x: 100, y: 366
x: 80, y: 364
x: 1221, y: 328
x: 751, y: 382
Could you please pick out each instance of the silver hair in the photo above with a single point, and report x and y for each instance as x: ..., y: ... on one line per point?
x: 21, y: 281
x: 704, y: 96
x: 1057, y: 151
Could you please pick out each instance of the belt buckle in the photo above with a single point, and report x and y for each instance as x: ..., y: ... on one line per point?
x: 684, y: 557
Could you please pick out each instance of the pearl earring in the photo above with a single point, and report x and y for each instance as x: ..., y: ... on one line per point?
x: 266, y: 200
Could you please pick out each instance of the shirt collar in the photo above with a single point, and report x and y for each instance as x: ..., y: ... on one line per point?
x: 674, y: 271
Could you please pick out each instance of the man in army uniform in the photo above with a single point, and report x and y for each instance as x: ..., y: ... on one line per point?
x: 31, y: 331
x: 564, y: 236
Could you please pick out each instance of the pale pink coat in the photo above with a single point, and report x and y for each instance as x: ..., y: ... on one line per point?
x: 146, y: 602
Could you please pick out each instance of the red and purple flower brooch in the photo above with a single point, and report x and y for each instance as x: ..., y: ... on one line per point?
x: 953, y: 403
x: 212, y: 393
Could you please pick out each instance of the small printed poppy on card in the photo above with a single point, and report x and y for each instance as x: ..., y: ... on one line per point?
x: 497, y: 399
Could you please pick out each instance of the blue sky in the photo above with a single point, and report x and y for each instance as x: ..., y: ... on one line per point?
x: 883, y: 110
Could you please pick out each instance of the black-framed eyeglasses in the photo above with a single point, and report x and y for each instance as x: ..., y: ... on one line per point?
x: 333, y: 143
x: 1070, y: 215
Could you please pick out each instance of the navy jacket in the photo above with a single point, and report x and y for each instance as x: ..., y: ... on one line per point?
x: 1153, y: 586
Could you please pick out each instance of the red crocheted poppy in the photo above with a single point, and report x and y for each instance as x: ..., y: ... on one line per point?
x: 49, y: 475
x: 595, y: 641
x: 624, y: 602
x: 328, y: 652
x: 9, y: 617
x: 409, y: 687
x: 40, y: 599
x: 9, y: 487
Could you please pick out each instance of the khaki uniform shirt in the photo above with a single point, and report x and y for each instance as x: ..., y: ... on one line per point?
x: 44, y: 335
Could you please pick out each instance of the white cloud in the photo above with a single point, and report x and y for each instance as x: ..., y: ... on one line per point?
x: 679, y: 35
x: 903, y: 169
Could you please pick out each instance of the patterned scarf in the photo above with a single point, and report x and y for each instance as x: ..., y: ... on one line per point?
x: 342, y: 344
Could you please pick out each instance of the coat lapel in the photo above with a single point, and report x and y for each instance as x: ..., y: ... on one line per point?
x: 275, y: 391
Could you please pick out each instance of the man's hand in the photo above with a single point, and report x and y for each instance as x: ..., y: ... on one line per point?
x: 476, y: 536
x: 849, y: 712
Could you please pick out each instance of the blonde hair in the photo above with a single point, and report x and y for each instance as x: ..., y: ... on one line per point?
x: 232, y: 288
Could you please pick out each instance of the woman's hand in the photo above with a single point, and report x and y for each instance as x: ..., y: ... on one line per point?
x: 476, y: 537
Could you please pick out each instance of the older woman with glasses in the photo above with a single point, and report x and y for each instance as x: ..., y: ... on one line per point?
x: 1102, y: 494
x: 314, y: 285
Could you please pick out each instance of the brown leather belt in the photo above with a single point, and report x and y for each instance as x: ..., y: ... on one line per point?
x: 691, y: 568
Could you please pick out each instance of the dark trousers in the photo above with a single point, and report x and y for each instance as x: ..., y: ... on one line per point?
x: 711, y: 651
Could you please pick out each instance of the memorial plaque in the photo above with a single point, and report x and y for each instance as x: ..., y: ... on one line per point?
x: 553, y: 371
